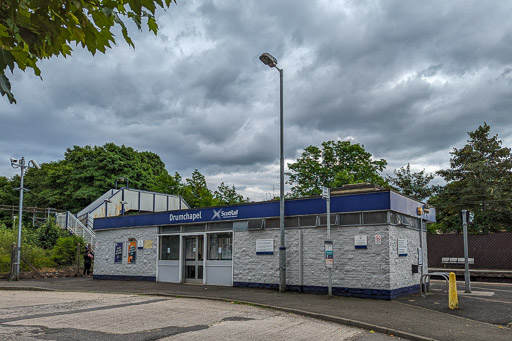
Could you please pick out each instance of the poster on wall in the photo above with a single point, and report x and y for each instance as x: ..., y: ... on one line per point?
x: 132, y: 251
x: 118, y: 252
x: 148, y: 244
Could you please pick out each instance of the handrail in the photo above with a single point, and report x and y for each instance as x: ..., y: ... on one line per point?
x: 75, y: 226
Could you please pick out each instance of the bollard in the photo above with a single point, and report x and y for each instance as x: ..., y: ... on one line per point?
x: 453, y: 301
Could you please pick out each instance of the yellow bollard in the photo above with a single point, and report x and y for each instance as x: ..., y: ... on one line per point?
x: 453, y: 301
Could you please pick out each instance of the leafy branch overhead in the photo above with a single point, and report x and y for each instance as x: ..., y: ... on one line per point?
x: 31, y: 30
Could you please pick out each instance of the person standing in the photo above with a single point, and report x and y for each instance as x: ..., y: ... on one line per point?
x: 88, y: 257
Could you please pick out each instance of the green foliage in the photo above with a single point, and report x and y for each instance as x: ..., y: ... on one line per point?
x: 196, y: 192
x: 165, y: 183
x: 415, y: 185
x: 480, y: 180
x: 46, y: 235
x: 34, y: 254
x: 88, y: 172
x: 64, y: 252
x: 225, y: 195
x: 334, y: 164
x: 31, y: 30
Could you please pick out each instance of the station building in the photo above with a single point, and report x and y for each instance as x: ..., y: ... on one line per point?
x: 378, y: 244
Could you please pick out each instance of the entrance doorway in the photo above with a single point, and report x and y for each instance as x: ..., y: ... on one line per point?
x: 194, y: 259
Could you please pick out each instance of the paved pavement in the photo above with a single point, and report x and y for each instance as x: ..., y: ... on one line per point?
x: 412, y: 317
x: 81, y: 316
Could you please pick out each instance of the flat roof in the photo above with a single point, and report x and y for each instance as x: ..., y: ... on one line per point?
x: 370, y: 201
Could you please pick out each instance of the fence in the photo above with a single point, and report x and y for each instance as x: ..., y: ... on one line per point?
x: 490, y: 251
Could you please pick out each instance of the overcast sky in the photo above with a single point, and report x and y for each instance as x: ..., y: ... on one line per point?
x: 407, y: 79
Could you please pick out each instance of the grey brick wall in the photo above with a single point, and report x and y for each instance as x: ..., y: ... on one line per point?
x: 353, y: 268
x: 146, y: 260
x: 401, y: 266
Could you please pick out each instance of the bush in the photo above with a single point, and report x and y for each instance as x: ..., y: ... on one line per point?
x: 64, y: 252
x: 33, y: 254
x: 47, y: 235
x: 38, y: 257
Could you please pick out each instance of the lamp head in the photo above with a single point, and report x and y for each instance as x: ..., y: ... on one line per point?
x: 34, y: 163
x: 268, y: 59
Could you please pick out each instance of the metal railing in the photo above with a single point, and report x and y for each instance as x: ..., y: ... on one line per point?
x: 74, y: 225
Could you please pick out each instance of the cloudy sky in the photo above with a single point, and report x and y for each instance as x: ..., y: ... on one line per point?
x: 407, y: 79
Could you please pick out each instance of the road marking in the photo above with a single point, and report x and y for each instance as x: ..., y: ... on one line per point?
x: 486, y: 299
x: 473, y: 287
x: 478, y: 293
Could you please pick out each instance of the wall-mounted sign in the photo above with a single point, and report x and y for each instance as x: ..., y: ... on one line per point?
x: 132, y: 251
x: 264, y: 246
x: 329, y: 254
x: 140, y: 244
x: 361, y: 241
x: 420, y: 256
x: 378, y: 239
x: 118, y: 252
x: 148, y: 244
x: 402, y: 247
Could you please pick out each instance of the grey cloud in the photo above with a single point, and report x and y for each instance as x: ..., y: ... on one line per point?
x: 405, y: 79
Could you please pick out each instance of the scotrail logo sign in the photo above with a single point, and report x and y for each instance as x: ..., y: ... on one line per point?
x: 221, y: 214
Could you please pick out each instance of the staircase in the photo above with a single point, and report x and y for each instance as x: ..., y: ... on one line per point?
x: 117, y: 202
x: 74, y: 225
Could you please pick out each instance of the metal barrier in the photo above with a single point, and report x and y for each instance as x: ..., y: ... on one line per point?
x: 72, y: 224
x: 445, y: 275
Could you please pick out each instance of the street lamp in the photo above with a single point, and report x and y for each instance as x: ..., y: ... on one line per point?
x: 123, y: 179
x: 15, y: 163
x: 271, y: 61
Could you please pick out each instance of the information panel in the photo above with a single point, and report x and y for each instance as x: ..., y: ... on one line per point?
x: 329, y: 254
x: 361, y: 241
x: 402, y: 247
x: 264, y: 246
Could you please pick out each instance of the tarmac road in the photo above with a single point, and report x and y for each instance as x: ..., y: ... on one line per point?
x: 487, y: 302
x: 37, y: 315
x: 412, y: 317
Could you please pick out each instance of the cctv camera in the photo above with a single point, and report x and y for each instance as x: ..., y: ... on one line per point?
x: 13, y: 160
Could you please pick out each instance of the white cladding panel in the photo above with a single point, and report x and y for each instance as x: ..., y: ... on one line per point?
x: 160, y: 203
x: 146, y: 201
x: 132, y: 199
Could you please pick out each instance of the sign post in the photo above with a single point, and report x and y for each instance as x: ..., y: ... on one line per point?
x: 329, y: 250
x: 465, y: 217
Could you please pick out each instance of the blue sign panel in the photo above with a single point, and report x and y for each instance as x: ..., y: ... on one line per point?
x: 339, y: 204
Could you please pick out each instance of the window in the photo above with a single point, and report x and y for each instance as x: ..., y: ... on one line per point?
x: 169, y: 247
x: 220, y: 246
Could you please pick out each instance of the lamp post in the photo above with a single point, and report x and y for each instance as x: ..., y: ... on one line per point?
x: 123, y: 179
x: 21, y: 164
x: 271, y: 61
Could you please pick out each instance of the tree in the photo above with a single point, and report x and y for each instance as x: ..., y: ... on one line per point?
x: 88, y: 172
x: 196, y: 192
x: 31, y: 30
x: 479, y: 179
x: 225, y: 195
x: 334, y: 164
x: 415, y: 185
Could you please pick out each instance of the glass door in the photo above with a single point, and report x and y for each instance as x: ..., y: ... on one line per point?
x: 194, y: 259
